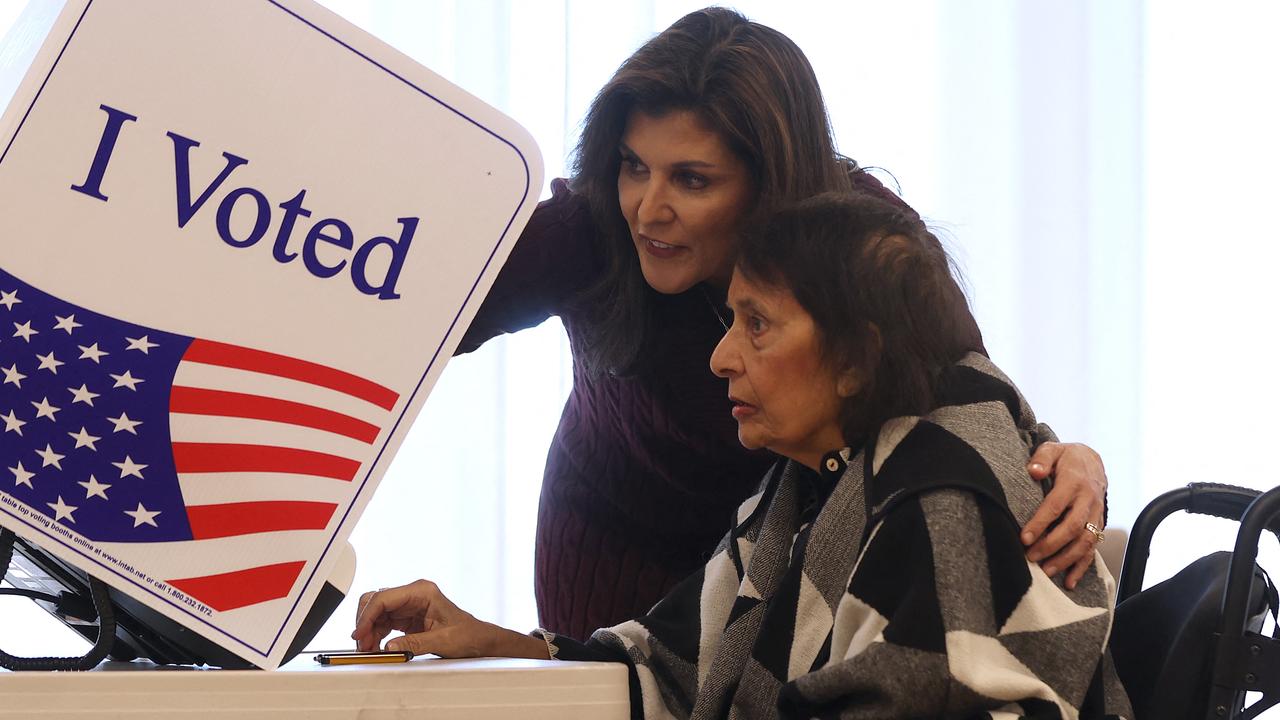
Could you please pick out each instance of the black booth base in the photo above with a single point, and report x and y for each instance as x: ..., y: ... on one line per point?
x: 141, y: 632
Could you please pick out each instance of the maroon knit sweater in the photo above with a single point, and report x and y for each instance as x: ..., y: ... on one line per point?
x: 645, y: 471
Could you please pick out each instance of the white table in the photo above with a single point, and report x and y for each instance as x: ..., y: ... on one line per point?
x: 423, y: 688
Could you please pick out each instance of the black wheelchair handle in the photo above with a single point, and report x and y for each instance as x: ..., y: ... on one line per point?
x: 1262, y: 515
x: 1220, y: 500
x: 1240, y: 652
x: 1216, y: 499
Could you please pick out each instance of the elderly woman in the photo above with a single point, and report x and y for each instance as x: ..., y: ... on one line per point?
x: 878, y: 572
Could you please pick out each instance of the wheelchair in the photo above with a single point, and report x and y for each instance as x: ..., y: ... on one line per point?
x: 1192, y: 646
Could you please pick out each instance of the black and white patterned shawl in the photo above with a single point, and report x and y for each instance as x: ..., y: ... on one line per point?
x: 905, y: 594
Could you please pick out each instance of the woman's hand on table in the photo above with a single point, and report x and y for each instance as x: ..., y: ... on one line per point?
x: 431, y: 623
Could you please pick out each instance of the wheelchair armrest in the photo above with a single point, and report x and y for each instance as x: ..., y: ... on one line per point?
x: 1216, y: 499
x: 1220, y: 500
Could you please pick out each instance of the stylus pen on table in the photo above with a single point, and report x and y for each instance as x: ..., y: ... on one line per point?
x: 356, y: 658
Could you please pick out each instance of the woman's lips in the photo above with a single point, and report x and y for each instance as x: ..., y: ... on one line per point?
x: 659, y: 249
x: 742, y: 410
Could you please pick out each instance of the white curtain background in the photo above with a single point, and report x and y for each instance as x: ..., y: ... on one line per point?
x: 1102, y: 170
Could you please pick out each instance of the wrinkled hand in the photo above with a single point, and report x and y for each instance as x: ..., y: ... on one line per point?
x: 431, y: 623
x: 1078, y: 496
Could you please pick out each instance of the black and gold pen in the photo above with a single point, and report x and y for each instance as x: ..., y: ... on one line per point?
x: 356, y: 658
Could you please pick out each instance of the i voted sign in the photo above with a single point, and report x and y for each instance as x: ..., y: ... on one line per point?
x: 332, y: 231
x: 239, y: 241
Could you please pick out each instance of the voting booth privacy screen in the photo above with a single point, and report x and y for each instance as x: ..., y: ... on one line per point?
x: 239, y: 241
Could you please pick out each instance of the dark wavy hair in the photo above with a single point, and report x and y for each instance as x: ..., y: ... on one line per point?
x: 882, y: 294
x: 748, y: 83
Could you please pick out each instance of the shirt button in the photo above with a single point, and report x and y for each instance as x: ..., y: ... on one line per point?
x: 832, y: 464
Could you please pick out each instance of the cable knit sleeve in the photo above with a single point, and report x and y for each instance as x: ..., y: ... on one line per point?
x: 555, y: 258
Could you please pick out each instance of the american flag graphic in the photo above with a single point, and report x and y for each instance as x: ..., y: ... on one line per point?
x: 131, y: 436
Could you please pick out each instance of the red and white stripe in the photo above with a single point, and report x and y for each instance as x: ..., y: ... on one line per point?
x: 264, y: 443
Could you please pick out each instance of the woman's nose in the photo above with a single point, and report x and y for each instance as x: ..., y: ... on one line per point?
x: 724, y: 359
x: 655, y: 206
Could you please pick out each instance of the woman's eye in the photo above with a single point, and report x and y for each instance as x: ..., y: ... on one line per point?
x: 755, y: 325
x: 692, y: 181
x: 632, y: 166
